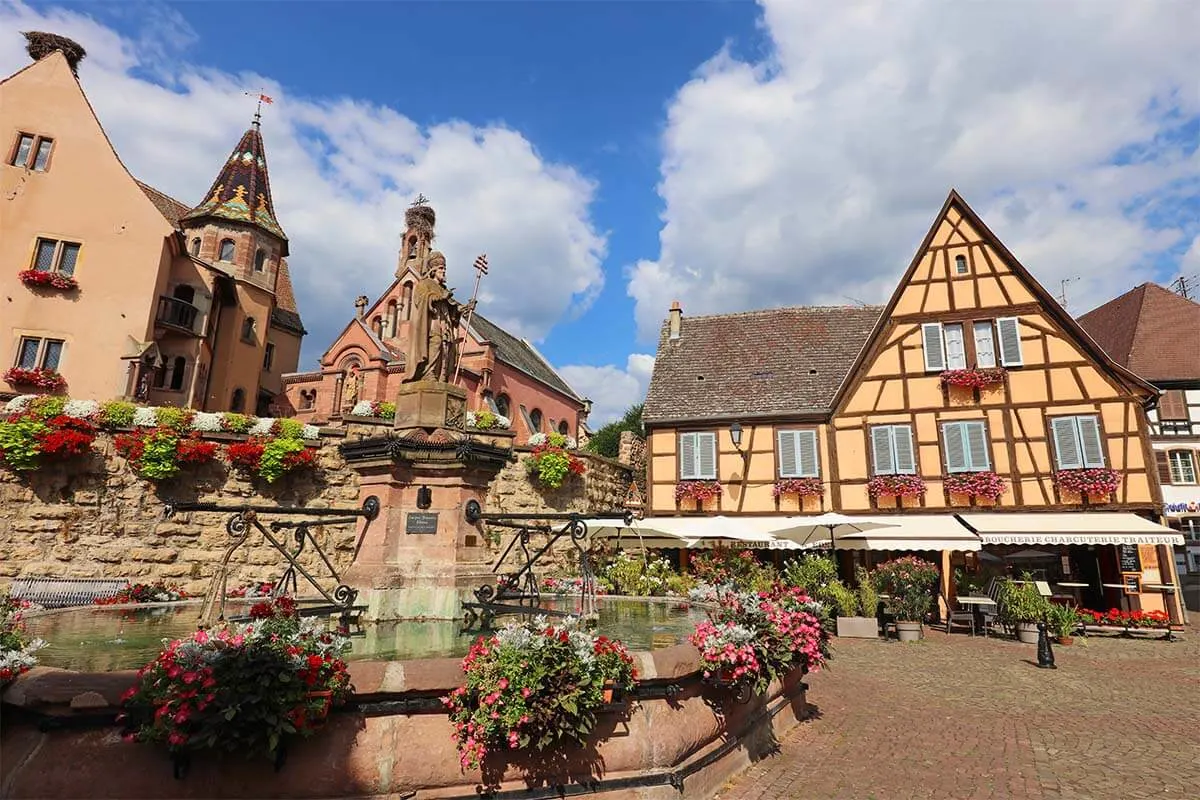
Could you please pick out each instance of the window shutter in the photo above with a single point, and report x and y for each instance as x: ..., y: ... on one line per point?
x: 687, y: 456
x: 980, y: 457
x: 806, y: 454
x: 935, y: 352
x: 1089, y: 442
x: 956, y: 351
x: 956, y: 455
x: 1163, y: 462
x: 706, y: 455
x: 1066, y: 443
x: 985, y: 344
x: 881, y: 449
x: 788, y: 465
x: 1172, y: 405
x: 906, y: 461
x: 1010, y: 342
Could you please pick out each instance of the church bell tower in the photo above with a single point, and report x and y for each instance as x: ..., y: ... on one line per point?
x: 418, y: 238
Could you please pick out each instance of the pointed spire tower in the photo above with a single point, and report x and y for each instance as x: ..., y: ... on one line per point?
x: 239, y: 201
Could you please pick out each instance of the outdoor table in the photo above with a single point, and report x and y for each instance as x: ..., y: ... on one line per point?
x: 1121, y: 586
x: 1074, y: 587
x: 977, y: 604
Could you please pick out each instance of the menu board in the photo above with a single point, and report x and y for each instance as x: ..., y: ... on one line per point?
x: 1133, y: 583
x: 1130, y: 560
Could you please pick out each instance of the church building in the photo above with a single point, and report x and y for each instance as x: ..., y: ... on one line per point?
x: 500, y: 372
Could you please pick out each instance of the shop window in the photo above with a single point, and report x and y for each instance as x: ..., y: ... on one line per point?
x: 698, y: 456
x: 797, y: 454
x: 892, y: 450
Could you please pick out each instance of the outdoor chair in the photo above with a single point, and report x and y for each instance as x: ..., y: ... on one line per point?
x: 958, y: 614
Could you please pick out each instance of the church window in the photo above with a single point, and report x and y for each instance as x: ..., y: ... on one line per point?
x: 502, y: 405
x: 406, y: 299
x: 564, y: 428
x: 535, y: 419
x: 377, y: 325
x: 225, y: 252
x: 392, y: 318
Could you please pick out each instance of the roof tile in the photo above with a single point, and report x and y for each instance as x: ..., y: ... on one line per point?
x: 520, y: 354
x: 1150, y: 331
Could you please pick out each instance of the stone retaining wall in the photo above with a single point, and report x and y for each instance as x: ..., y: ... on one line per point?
x: 96, y: 518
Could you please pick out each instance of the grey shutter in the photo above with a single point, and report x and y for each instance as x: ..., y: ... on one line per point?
x: 935, y: 351
x: 906, y: 459
x: 788, y: 463
x: 881, y: 449
x: 687, y: 456
x: 806, y: 454
x: 1066, y: 443
x: 956, y: 447
x: 706, y: 455
x: 1010, y: 342
x: 1089, y: 442
x: 979, y: 457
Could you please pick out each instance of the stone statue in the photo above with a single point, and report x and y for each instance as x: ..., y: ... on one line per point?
x: 432, y: 352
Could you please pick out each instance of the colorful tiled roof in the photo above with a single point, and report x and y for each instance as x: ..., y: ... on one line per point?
x: 1150, y: 331
x: 778, y: 361
x: 521, y: 355
x: 242, y: 190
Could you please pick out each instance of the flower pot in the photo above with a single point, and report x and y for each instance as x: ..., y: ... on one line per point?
x: 327, y: 700
x: 609, y: 687
x: 1027, y: 632
x: 1065, y: 640
x: 908, y: 631
x: 857, y: 627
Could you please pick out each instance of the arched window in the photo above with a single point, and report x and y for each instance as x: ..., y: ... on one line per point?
x: 960, y: 265
x: 260, y: 259
x: 412, y: 247
x: 406, y: 298
x: 196, y: 246
x: 502, y: 405
x: 308, y: 399
x: 178, y: 369
x: 392, y: 319
x: 248, y: 330
x: 535, y: 417
x: 377, y: 325
x: 564, y: 428
x: 225, y: 252
x: 185, y: 293
x: 238, y: 402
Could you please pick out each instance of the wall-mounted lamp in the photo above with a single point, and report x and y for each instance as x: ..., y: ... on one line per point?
x: 735, y: 433
x: 424, y: 497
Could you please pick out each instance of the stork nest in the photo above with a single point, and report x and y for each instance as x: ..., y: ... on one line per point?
x: 41, y: 44
x: 422, y: 218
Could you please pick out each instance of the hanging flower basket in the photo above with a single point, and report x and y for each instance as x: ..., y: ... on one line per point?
x: 1095, y: 481
x: 700, y: 491
x: 54, y: 280
x: 45, y: 379
x: 974, y: 378
x: 977, y: 484
x: 801, y: 487
x: 896, y: 486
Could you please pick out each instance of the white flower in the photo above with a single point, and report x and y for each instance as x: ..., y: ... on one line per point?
x: 145, y: 417
x: 311, y: 432
x: 262, y: 427
x: 571, y: 443
x: 362, y: 409
x: 503, y: 422
x: 537, y: 439
x: 471, y: 419
x: 20, y: 402
x: 81, y: 409
x: 207, y: 421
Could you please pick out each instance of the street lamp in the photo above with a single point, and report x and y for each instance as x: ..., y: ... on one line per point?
x: 735, y: 433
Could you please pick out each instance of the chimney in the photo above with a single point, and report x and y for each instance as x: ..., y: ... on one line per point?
x: 360, y: 305
x: 675, y: 320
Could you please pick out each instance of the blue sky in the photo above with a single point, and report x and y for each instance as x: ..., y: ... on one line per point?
x: 613, y: 156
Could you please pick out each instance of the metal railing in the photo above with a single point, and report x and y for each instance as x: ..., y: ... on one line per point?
x: 176, y: 313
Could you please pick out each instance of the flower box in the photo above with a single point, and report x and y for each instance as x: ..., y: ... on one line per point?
x: 801, y: 487
x: 47, y: 279
x: 901, y: 486
x: 985, y: 485
x: 975, y: 378
x: 45, y: 379
x: 1095, y: 482
x: 699, y: 495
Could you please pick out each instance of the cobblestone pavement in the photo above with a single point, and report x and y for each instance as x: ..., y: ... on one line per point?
x: 961, y: 718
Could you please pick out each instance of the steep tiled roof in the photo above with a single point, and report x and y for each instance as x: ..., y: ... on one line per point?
x: 774, y: 361
x: 168, y: 206
x: 521, y: 355
x: 1150, y: 331
x: 242, y: 189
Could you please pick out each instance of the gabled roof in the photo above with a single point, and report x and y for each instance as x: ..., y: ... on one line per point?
x: 1150, y: 331
x: 778, y: 361
x: 521, y: 355
x: 171, y: 209
x: 242, y: 189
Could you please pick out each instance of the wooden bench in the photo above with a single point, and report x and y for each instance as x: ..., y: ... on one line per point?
x: 64, y: 592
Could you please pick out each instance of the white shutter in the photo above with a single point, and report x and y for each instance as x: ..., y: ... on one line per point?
x: 706, y: 455
x: 1089, y: 442
x: 806, y: 451
x: 979, y: 458
x: 881, y: 450
x: 1066, y: 443
x: 687, y: 456
x: 935, y: 354
x: 956, y: 351
x: 985, y: 344
x: 956, y: 447
x: 906, y: 459
x: 787, y: 443
x: 1010, y: 341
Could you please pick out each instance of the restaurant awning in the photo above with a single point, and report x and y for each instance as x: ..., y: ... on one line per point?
x: 1083, y: 527
x: 916, y: 532
x: 687, y: 532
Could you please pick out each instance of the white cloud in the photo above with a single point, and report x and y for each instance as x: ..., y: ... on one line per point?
x: 343, y: 171
x: 812, y: 176
x: 611, y: 389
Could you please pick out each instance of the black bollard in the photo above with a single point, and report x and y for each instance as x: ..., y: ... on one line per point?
x: 1045, y: 651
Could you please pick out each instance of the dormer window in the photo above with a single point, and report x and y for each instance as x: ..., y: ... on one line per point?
x: 260, y: 260
x: 225, y: 252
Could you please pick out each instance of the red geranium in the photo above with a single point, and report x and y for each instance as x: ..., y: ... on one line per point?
x: 245, y: 454
x: 194, y: 450
x: 45, y: 379
x: 37, y: 277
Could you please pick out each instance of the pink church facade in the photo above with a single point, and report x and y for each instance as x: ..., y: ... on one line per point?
x: 499, y: 371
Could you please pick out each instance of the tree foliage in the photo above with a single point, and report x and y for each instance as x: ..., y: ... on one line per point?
x: 607, y: 440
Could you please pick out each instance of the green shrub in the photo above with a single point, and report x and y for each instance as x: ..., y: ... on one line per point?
x: 117, y: 414
x: 236, y: 423
x: 177, y: 419
x: 842, y: 598
x: 289, y: 429
x: 812, y: 573
x: 47, y: 405
x: 868, y: 592
x: 19, y: 442
x: 274, y: 462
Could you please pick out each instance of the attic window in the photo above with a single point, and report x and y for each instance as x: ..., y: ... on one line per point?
x: 960, y: 265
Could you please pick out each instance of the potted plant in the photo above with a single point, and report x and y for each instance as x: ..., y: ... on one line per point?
x: 856, y: 607
x: 909, y: 583
x: 1022, y: 607
x: 1063, y: 621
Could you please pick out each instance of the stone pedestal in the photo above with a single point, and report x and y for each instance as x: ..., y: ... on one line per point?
x: 421, y: 556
